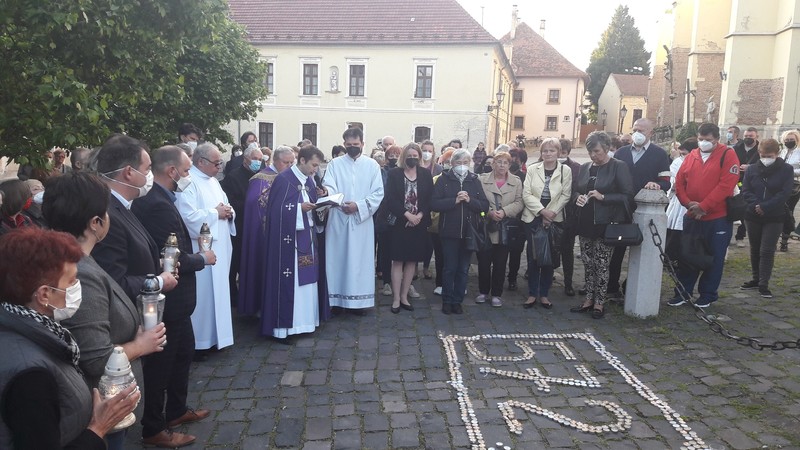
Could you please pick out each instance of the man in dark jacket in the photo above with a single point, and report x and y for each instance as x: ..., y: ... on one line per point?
x: 235, y: 186
x: 747, y: 152
x: 167, y: 372
x: 649, y: 167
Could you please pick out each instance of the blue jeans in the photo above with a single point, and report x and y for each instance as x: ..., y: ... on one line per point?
x: 539, y: 280
x: 116, y: 441
x: 717, y: 233
x: 456, y: 265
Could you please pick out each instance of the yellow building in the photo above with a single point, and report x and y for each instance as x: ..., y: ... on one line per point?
x: 548, y: 98
x: 416, y: 70
x: 623, y: 100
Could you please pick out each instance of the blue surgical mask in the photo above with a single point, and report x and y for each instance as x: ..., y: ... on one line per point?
x: 255, y: 165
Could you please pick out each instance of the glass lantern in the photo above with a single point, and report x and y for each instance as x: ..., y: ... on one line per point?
x: 117, y: 378
x: 205, y: 239
x: 151, y: 303
x: 170, y: 254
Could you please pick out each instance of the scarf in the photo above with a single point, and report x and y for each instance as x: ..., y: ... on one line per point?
x: 54, y: 327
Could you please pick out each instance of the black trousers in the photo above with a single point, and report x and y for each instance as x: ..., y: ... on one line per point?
x: 236, y: 261
x: 615, y: 270
x: 514, y: 256
x: 492, y: 270
x: 741, y: 232
x: 384, y: 260
x: 438, y: 254
x: 788, y: 221
x: 568, y: 254
x: 166, y: 373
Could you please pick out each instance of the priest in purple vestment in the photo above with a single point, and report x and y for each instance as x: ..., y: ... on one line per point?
x: 296, y: 297
x: 254, y: 232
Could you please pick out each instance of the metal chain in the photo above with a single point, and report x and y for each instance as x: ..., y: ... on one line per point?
x: 712, y: 322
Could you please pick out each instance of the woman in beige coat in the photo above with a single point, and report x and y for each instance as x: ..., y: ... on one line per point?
x: 547, y: 190
x: 504, y: 192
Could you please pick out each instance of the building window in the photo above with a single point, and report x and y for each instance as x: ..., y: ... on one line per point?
x: 266, y: 135
x: 551, y: 123
x: 519, y: 122
x: 357, y: 80
x: 310, y: 132
x: 554, y: 96
x: 269, y: 80
x: 518, y: 96
x: 422, y: 134
x: 310, y: 79
x: 637, y: 114
x: 424, y: 82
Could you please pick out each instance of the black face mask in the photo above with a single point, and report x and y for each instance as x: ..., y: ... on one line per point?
x: 790, y: 144
x: 412, y: 162
x: 391, y: 162
x: 353, y: 151
x: 514, y: 167
x: 749, y: 142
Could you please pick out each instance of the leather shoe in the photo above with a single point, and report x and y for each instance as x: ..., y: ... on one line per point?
x: 581, y: 309
x: 407, y: 306
x: 189, y: 416
x: 395, y: 310
x: 598, y: 313
x: 569, y: 291
x: 168, y: 439
x: 512, y: 285
x: 446, y: 309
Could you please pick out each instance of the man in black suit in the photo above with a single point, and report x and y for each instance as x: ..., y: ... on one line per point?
x: 168, y: 371
x: 235, y: 186
x: 649, y: 167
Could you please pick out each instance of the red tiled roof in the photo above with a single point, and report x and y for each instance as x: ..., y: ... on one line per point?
x: 632, y: 85
x: 358, y: 21
x: 532, y: 56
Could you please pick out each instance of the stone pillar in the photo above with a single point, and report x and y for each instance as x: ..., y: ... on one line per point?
x: 643, y: 291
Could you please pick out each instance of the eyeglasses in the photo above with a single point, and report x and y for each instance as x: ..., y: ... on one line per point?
x: 502, y: 163
x: 217, y: 163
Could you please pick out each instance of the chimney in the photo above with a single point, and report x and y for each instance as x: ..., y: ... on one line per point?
x: 541, y: 28
x: 514, y: 20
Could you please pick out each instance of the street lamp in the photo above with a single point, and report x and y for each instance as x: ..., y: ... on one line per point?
x: 500, y: 95
x: 622, y: 113
x: 603, y: 116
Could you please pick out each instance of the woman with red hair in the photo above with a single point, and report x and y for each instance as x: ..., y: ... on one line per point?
x: 46, y: 402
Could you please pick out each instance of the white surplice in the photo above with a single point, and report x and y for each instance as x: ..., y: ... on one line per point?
x: 305, y: 310
x: 197, y: 204
x: 675, y: 211
x: 350, y: 238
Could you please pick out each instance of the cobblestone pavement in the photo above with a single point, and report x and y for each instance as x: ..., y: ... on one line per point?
x: 514, y: 378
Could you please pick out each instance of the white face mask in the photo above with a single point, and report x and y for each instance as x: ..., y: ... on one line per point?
x: 426, y: 156
x: 705, y: 146
x: 639, y: 139
x: 192, y: 144
x: 72, y: 298
x: 767, y: 161
x: 461, y: 170
x: 182, y: 183
x: 38, y: 198
x: 729, y: 136
x: 144, y: 189
x: 562, y: 160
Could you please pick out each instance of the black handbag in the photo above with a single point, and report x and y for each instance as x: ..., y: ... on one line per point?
x: 736, y: 206
x: 509, y: 230
x: 477, y: 236
x: 623, y: 234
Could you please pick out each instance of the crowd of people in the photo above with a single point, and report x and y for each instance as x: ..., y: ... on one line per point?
x: 291, y: 239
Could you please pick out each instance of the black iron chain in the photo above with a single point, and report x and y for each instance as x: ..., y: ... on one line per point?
x: 712, y: 322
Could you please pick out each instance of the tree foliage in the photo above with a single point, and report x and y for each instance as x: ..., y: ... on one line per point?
x: 75, y: 71
x: 620, y: 50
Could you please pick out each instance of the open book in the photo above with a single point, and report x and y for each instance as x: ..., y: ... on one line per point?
x: 331, y: 200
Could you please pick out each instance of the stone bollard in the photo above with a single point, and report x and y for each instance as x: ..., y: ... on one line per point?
x: 643, y: 291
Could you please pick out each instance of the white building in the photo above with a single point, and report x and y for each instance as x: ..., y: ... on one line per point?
x: 417, y: 69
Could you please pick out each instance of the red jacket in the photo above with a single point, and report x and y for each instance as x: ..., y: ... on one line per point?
x: 710, y: 182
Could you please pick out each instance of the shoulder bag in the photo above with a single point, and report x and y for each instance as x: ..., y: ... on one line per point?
x: 509, y: 230
x: 477, y: 236
x: 623, y: 234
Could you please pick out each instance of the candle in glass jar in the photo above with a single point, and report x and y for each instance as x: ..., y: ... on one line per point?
x: 150, y: 317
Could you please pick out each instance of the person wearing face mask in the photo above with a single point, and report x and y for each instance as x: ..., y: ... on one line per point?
x: 106, y: 317
x: 383, y: 243
x: 747, y: 152
x: 350, y: 232
x: 204, y: 202
x: 676, y: 211
x: 407, y: 199
x: 706, y: 178
x: 235, y: 186
x: 17, y: 196
x: 460, y: 200
x: 732, y: 136
x: 33, y: 209
x: 766, y: 188
x: 46, y: 402
x: 247, y: 141
x: 128, y: 253
x: 433, y: 229
x: 791, y: 155
x: 649, y: 166
x: 168, y: 371
x: 428, y: 161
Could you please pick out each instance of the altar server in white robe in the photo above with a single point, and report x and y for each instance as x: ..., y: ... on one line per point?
x: 350, y: 235
x: 204, y: 201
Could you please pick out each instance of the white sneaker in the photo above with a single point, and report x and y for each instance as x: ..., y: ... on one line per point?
x: 387, y: 289
x: 740, y: 243
x: 496, y: 302
x: 437, y: 291
x: 480, y: 299
x: 412, y: 292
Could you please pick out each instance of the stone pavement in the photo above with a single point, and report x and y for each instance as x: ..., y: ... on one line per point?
x: 514, y: 378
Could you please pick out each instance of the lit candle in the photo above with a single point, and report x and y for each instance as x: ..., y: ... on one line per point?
x: 169, y: 264
x: 150, y: 317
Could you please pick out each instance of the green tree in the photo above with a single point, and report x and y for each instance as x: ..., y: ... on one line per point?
x: 77, y: 70
x: 620, y: 50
